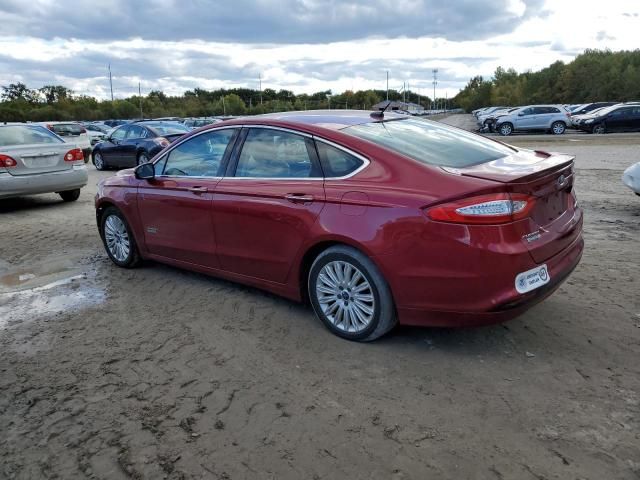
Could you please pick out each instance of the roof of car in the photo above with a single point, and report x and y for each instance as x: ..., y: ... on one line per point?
x: 331, y: 119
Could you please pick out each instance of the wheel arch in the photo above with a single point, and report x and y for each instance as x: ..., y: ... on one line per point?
x: 312, y: 252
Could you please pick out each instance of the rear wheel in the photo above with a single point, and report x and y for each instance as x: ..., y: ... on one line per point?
x: 350, y: 295
x: 118, y: 239
x: 142, y: 158
x: 70, y: 195
x: 98, y: 161
x: 506, y: 129
x: 558, y: 128
x: 599, y: 129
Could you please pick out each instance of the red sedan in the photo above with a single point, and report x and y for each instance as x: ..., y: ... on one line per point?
x: 375, y: 219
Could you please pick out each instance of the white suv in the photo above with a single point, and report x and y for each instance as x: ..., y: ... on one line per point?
x: 548, y: 118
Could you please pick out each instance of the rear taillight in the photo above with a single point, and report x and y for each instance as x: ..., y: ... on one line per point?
x: 484, y: 209
x: 163, y: 142
x: 74, y: 155
x: 7, y: 162
x: 83, y: 130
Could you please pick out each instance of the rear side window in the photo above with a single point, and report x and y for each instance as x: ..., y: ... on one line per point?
x: 430, y: 142
x: 136, y: 131
x: 336, y: 162
x: 270, y: 153
x: 26, y: 135
x: 199, y: 156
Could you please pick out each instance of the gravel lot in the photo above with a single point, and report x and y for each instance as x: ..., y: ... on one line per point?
x: 160, y: 373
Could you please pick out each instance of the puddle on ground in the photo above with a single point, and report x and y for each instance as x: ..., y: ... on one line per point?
x: 59, y: 296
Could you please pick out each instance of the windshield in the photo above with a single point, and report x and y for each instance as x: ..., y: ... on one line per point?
x: 26, y: 135
x: 430, y: 142
x: 604, y: 110
x: 168, y: 128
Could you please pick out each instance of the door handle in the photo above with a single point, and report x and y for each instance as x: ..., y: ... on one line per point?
x: 299, y: 198
x: 198, y: 189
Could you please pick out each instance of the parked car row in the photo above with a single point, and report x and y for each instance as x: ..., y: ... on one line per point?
x: 597, y: 117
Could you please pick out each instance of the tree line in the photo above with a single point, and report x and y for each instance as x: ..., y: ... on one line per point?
x: 595, y: 75
x: 18, y: 103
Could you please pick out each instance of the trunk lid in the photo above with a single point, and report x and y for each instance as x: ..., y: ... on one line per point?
x: 554, y: 221
x: 34, y: 159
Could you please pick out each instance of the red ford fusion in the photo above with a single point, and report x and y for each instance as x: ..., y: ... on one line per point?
x: 373, y: 218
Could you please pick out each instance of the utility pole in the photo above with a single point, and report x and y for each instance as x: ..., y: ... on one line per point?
x: 387, y: 85
x: 140, y: 100
x: 260, y: 80
x: 110, y: 82
x: 224, y: 107
x: 435, y: 82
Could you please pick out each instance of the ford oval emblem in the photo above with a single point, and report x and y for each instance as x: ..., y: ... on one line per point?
x: 562, y: 181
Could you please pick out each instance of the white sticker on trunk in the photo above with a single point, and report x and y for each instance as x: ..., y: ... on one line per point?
x: 532, y: 279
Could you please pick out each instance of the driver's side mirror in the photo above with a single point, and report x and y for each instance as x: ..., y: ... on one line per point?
x: 146, y: 171
x: 521, y: 114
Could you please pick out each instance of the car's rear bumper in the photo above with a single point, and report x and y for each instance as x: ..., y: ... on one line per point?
x: 15, y: 186
x: 511, y: 304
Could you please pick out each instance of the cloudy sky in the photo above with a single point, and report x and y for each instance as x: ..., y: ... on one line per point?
x: 302, y: 45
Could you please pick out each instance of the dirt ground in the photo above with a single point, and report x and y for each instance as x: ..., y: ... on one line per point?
x: 161, y: 373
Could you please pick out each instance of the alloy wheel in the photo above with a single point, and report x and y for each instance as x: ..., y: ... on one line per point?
x: 117, y: 238
x: 345, y: 296
x: 98, y: 161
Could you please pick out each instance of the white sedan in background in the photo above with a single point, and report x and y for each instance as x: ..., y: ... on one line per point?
x: 631, y: 178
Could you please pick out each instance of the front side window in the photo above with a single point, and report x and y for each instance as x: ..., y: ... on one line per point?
x: 200, y: 156
x: 270, y: 153
x: 119, y: 133
x: 26, y: 135
x: 336, y: 162
x: 431, y: 142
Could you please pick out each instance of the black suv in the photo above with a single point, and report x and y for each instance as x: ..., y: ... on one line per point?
x: 135, y: 143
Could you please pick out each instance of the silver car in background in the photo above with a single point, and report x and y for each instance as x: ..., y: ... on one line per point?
x: 35, y: 160
x: 551, y: 118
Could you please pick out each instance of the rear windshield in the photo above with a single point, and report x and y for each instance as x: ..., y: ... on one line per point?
x: 430, y: 142
x: 26, y: 135
x: 168, y: 128
x: 66, y: 129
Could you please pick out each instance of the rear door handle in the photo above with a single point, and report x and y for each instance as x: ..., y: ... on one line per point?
x: 299, y: 198
x: 198, y: 189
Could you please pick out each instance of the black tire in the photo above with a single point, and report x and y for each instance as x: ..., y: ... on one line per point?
x: 558, y: 128
x: 506, y: 129
x: 599, y: 129
x: 142, y: 158
x: 99, y: 161
x: 384, y: 315
x: 133, y: 258
x: 70, y: 195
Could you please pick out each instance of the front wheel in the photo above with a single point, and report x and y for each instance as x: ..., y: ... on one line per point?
x: 98, y: 161
x: 506, y: 129
x: 70, y: 195
x: 558, y: 128
x: 118, y: 239
x: 349, y: 295
x: 599, y: 129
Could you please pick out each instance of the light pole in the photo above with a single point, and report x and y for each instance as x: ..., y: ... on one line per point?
x: 435, y: 82
x: 329, y: 98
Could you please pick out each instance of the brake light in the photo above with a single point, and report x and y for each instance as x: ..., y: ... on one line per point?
x: 163, y: 142
x: 83, y: 130
x: 49, y: 127
x: 484, y: 209
x: 7, y: 162
x: 74, y: 155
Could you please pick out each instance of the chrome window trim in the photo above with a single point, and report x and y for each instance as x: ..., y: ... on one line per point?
x: 365, y: 161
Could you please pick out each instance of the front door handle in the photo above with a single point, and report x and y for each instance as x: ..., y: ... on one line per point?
x: 299, y: 198
x: 198, y: 189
